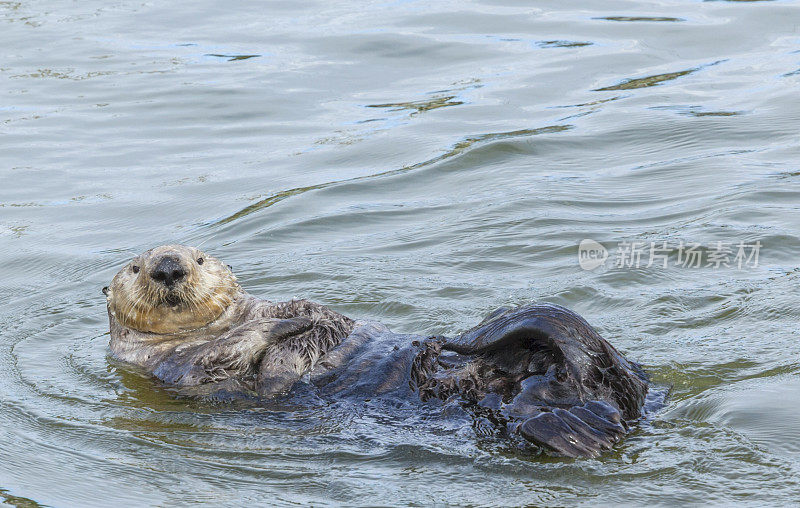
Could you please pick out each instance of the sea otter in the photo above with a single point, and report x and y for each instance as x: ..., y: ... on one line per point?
x: 538, y: 371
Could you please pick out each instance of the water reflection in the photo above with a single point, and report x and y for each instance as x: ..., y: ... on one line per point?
x: 562, y: 44
x: 233, y: 58
x: 420, y: 106
x: 641, y: 18
x: 656, y: 79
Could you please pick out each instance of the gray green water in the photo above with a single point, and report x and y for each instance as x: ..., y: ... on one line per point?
x: 417, y: 163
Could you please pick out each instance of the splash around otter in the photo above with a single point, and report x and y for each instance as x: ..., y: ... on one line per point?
x: 540, y: 373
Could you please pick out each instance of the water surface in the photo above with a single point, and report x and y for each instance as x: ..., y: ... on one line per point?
x: 417, y: 163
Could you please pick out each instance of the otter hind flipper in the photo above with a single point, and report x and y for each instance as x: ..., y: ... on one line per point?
x: 581, y: 431
x: 564, y: 387
x: 537, y: 322
x: 530, y: 340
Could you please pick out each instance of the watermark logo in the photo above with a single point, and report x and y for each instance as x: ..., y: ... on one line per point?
x: 591, y: 254
x: 737, y: 255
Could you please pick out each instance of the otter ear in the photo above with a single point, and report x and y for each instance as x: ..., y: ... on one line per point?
x: 105, y: 290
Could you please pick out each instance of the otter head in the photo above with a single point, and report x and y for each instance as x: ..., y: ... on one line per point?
x: 170, y: 289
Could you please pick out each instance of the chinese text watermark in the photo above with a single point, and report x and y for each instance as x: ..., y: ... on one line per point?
x: 736, y: 255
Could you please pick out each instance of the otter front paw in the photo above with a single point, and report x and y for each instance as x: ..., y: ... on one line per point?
x: 234, y: 354
x: 583, y: 431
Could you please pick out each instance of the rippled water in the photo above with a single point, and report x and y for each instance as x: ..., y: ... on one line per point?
x: 417, y: 163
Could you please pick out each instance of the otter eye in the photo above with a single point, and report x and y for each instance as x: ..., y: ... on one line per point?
x: 135, y: 269
x: 199, y: 261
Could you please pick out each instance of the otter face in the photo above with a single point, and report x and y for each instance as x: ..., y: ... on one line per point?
x: 171, y: 289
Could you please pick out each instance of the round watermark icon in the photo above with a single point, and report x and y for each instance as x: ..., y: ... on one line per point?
x: 591, y: 254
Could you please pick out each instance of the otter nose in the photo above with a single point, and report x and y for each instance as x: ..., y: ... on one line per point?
x: 168, y: 271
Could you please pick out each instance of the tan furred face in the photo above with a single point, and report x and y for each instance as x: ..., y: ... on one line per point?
x: 171, y: 289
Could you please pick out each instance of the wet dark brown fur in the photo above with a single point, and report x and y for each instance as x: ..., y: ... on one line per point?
x: 539, y: 372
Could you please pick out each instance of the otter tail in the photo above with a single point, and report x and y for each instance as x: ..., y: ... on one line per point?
x: 573, y: 393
